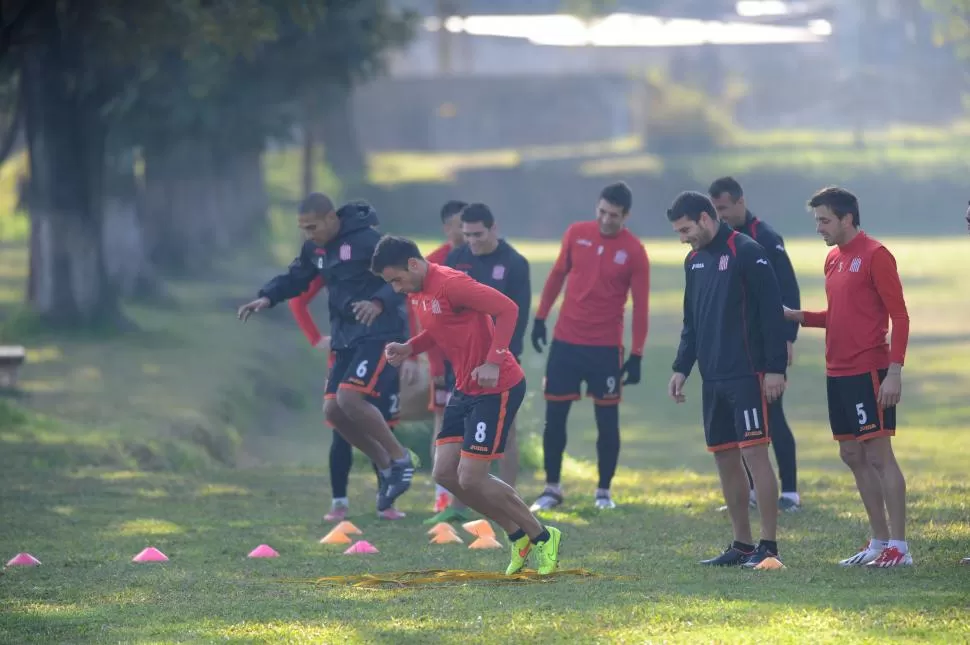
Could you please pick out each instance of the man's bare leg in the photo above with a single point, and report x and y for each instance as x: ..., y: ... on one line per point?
x: 879, y: 454
x: 345, y: 426
x: 869, y: 485
x: 734, y: 485
x: 765, y: 488
x: 508, y: 467
x: 369, y: 421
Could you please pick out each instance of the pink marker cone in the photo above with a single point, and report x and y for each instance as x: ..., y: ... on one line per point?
x: 151, y: 554
x: 23, y: 560
x: 263, y: 551
x: 362, y: 546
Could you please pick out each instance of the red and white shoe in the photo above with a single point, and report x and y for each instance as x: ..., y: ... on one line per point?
x: 337, y: 514
x: 391, y: 514
x: 866, y: 555
x: 891, y: 557
x: 441, y: 502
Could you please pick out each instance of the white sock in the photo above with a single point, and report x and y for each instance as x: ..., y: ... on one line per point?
x: 899, y: 544
x: 340, y: 501
x: 554, y: 488
x: 752, y: 495
x: 602, y: 492
x: 878, y: 545
x: 793, y: 497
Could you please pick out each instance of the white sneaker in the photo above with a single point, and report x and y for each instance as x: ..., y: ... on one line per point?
x: 604, y: 501
x: 891, y: 557
x: 548, y: 500
x: 863, y: 557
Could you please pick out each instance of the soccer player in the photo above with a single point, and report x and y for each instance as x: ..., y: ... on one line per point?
x: 864, y: 372
x: 604, y: 262
x: 365, y: 314
x: 728, y: 199
x: 389, y: 403
x: 493, y: 262
x: 456, y: 314
x: 732, y: 331
x: 442, y: 376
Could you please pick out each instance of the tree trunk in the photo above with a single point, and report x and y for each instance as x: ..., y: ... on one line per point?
x: 340, y: 143
x: 309, y: 148
x: 65, y: 137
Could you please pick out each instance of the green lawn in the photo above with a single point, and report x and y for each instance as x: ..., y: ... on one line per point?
x: 85, y: 521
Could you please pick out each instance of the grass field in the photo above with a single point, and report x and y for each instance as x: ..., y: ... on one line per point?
x: 85, y: 521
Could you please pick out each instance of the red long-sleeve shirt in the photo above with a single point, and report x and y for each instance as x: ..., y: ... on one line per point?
x: 864, y: 294
x: 602, y: 271
x: 455, y: 312
x: 436, y: 358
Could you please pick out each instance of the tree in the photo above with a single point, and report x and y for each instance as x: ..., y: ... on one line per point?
x: 954, y: 23
x: 99, y: 77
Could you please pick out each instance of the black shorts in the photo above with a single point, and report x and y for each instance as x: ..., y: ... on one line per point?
x: 853, y: 409
x: 441, y: 394
x: 569, y: 365
x: 365, y: 369
x: 481, y: 422
x: 735, y: 413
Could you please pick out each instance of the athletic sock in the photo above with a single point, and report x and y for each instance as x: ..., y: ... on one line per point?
x: 340, y: 501
x: 878, y: 545
x: 742, y: 547
x: 607, y: 442
x: 554, y: 438
x: 900, y: 545
x: 542, y: 537
x: 770, y: 545
x: 518, y: 535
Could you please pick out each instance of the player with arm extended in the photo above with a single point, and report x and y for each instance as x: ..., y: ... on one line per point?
x: 389, y: 403
x: 442, y: 376
x: 728, y: 199
x: 732, y: 331
x: 604, y: 262
x: 473, y: 325
x: 495, y: 263
x: 365, y: 314
x: 863, y: 372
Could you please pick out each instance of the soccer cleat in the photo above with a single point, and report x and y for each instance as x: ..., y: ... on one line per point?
x: 441, y: 502
x: 520, y: 552
x: 391, y: 514
x: 396, y: 484
x: 788, y: 505
x: 731, y: 557
x: 548, y: 500
x: 604, y: 501
x: 450, y: 514
x: 337, y: 513
x: 891, y: 557
x: 547, y: 553
x: 760, y: 554
x: 865, y: 555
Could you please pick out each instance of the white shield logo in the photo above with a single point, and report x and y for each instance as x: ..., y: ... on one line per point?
x: 344, y: 251
x: 498, y: 272
x: 620, y: 257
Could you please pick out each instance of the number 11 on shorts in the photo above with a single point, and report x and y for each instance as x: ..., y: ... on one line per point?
x: 751, y: 420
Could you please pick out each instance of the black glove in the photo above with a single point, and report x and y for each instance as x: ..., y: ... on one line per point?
x: 632, y: 370
x: 538, y: 334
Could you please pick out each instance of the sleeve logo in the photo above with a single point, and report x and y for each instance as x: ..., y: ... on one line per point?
x: 722, y: 264
x: 344, y: 252
x: 856, y: 265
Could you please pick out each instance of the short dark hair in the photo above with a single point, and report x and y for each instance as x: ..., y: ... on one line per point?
x: 393, y: 251
x: 316, y: 204
x: 618, y: 194
x: 474, y: 213
x: 727, y: 185
x: 452, y: 208
x: 691, y: 204
x: 841, y: 202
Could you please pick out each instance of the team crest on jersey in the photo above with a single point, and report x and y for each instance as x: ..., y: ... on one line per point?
x: 620, y: 257
x: 435, y: 306
x: 722, y: 264
x: 344, y: 251
x: 498, y: 272
x: 856, y: 265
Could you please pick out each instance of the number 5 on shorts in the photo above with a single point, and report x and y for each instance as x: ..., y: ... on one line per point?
x: 861, y: 413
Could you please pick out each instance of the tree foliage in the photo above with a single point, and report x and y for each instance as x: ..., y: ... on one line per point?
x: 953, y: 26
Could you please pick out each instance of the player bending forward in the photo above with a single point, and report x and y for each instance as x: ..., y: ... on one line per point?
x: 456, y: 314
x: 864, y: 373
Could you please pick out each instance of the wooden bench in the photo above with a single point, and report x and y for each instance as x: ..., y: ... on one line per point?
x: 11, y: 358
